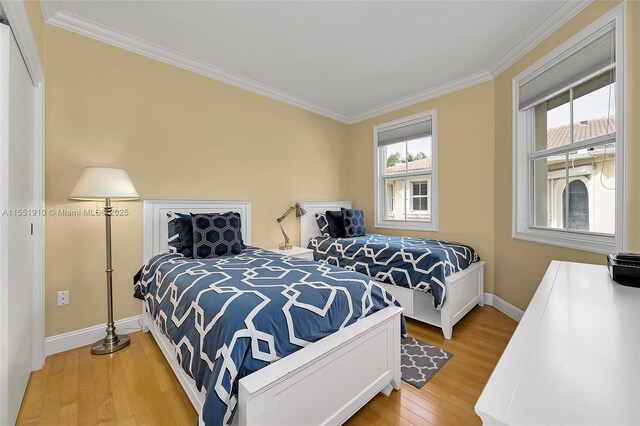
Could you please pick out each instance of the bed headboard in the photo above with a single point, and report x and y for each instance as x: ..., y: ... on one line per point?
x: 155, y: 220
x: 308, y: 224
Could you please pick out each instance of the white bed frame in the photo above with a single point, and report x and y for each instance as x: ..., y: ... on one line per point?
x: 323, y: 383
x: 465, y: 289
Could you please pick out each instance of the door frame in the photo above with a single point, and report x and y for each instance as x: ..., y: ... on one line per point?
x: 16, y: 14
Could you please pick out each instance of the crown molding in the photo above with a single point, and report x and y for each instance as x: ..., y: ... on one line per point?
x: 443, y: 89
x: 54, y: 15
x: 558, y: 18
x: 57, y: 17
x: 21, y: 28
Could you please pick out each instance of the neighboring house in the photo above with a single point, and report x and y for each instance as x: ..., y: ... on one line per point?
x: 418, y: 189
x: 591, y: 176
x: 591, y: 180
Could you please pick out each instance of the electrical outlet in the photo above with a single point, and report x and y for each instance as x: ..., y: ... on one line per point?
x: 63, y: 298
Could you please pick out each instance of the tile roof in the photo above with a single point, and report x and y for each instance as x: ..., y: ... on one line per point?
x: 412, y: 166
x: 559, y: 136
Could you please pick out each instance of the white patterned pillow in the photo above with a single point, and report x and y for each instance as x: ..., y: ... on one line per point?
x: 321, y: 219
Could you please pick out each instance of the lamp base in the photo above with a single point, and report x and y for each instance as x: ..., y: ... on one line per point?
x: 285, y: 246
x: 104, y: 346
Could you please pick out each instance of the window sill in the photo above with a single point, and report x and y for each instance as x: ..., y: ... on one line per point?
x: 409, y: 226
x: 594, y: 243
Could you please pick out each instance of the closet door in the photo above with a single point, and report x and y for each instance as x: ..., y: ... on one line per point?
x: 17, y: 95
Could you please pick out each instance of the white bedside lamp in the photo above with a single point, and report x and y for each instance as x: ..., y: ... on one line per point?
x: 97, y: 184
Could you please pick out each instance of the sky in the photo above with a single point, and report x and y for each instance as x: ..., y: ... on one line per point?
x: 414, y: 147
x: 588, y: 107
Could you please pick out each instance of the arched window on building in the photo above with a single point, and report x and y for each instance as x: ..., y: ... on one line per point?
x: 578, y: 206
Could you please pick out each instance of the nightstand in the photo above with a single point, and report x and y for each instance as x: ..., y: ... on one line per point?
x: 302, y: 253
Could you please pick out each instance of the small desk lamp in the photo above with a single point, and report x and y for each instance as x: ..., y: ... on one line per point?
x: 299, y: 212
x: 104, y: 183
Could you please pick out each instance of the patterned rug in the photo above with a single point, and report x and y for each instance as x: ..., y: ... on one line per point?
x: 421, y: 361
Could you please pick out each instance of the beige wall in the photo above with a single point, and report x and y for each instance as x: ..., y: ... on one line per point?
x: 465, y: 169
x: 520, y: 265
x: 179, y: 135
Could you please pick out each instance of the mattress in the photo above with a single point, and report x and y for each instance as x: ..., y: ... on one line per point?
x: 414, y: 263
x: 230, y: 316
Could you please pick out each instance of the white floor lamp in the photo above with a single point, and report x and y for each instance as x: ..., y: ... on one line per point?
x: 108, y: 184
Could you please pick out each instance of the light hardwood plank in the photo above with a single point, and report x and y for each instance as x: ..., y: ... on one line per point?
x: 87, y: 412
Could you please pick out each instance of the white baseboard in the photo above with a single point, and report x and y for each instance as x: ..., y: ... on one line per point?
x: 503, y: 306
x: 86, y: 336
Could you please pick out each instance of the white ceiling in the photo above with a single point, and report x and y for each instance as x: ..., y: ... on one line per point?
x: 345, y: 60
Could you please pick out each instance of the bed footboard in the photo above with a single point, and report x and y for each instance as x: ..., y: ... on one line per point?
x: 325, y: 383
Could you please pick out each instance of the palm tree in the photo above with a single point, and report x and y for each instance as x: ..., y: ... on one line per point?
x: 418, y: 156
x: 393, y: 159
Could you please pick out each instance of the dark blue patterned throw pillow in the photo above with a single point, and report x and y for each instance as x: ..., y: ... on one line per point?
x: 185, y: 234
x: 336, y: 223
x: 216, y: 235
x: 321, y: 219
x: 172, y: 230
x: 353, y: 223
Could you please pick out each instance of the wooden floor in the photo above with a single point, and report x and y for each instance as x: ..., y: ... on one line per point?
x: 137, y: 386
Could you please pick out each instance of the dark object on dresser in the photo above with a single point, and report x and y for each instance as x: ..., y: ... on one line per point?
x: 624, y: 269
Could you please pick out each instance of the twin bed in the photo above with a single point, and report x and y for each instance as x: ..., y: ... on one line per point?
x: 260, y: 338
x: 420, y: 274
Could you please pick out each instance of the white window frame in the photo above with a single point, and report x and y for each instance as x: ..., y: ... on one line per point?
x: 380, y: 186
x: 522, y: 222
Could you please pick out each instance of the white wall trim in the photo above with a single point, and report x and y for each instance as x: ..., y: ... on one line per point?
x: 547, y: 27
x: 21, y: 28
x: 39, y: 229
x: 503, y: 306
x: 76, y: 24
x: 54, y: 15
x: 443, y: 89
x: 86, y: 336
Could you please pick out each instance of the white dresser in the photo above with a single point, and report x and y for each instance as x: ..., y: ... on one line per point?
x: 574, y: 358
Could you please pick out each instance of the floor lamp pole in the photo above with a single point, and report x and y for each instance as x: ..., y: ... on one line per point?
x: 112, y: 342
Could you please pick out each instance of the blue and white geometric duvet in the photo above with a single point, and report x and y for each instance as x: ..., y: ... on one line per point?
x: 230, y: 316
x: 407, y: 262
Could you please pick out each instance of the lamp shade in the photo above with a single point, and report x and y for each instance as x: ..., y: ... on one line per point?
x: 300, y: 211
x: 99, y: 183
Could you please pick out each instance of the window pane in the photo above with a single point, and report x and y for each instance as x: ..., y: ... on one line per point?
x: 396, y: 158
x: 394, y: 199
x: 589, y: 204
x: 596, y: 168
x: 552, y: 119
x: 419, y: 154
x: 578, y: 210
x: 420, y: 188
x: 549, y: 176
x: 420, y: 203
x: 594, y: 110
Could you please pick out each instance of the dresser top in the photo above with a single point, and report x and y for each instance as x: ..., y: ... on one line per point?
x: 575, y: 356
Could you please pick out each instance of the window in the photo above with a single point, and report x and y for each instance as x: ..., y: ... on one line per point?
x: 420, y: 196
x: 405, y: 173
x: 569, y: 142
x: 577, y: 207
